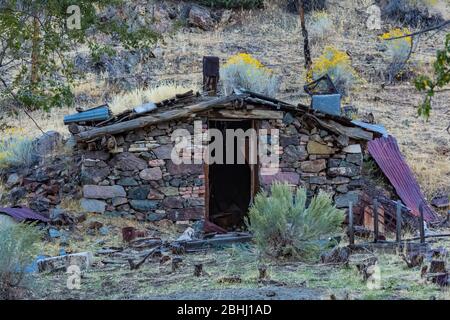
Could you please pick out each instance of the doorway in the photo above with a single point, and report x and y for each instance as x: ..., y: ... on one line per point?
x: 231, y: 185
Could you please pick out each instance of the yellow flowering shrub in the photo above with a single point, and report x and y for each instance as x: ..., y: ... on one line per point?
x: 337, y: 65
x: 15, y: 148
x: 243, y: 71
x: 398, y: 51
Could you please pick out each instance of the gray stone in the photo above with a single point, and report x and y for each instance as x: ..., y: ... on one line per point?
x: 342, y: 188
x: 200, y: 17
x: 47, y: 144
x: 176, y: 182
x: 288, y: 177
x: 340, y: 180
x: 193, y: 213
x: 97, y: 155
x: 139, y: 193
x: 92, y: 205
x: 318, y: 180
x: 127, y: 182
x: 355, y: 158
x: 342, y: 201
x: 164, y: 152
x: 354, y: 148
x: 315, y: 147
x: 103, y: 192
x: 313, y: 166
x: 144, y: 205
x: 127, y: 161
x: 92, y: 175
x: 288, y: 118
x: 169, y: 191
x: 294, y: 153
x: 195, y: 202
x: 173, y: 202
x: 119, y: 201
x: 151, y: 174
x: 184, y: 169
x: 289, y: 140
x: 343, y: 140
x: 153, y: 217
x: 13, y: 180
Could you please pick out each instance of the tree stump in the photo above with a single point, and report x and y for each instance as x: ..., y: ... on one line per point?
x: 176, y: 261
x: 262, y: 272
x: 198, y: 270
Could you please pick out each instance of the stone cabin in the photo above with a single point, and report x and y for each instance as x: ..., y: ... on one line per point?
x: 127, y: 167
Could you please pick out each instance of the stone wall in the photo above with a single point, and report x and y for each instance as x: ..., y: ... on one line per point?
x: 317, y: 160
x: 138, y: 178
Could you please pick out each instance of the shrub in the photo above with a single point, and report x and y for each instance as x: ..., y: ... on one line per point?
x: 320, y: 26
x: 15, y: 149
x: 283, y: 226
x: 244, y: 71
x: 337, y: 65
x: 230, y: 4
x: 398, y: 51
x: 17, y: 250
x: 415, y: 13
x: 140, y: 96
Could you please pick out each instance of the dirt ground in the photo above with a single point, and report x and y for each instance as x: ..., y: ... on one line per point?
x: 231, y: 273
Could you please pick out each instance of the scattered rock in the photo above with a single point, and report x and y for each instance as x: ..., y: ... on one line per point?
x: 13, y: 180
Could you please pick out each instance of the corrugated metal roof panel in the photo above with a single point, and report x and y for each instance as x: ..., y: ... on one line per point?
x: 22, y: 214
x: 387, y: 154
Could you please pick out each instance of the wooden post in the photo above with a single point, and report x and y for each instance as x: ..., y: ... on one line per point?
x: 375, y: 220
x: 211, y: 74
x: 399, y: 222
x: 421, y: 222
x: 351, y: 231
x: 306, y: 50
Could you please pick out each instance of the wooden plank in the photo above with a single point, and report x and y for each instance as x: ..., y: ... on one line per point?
x: 421, y: 221
x: 351, y: 132
x: 375, y: 220
x: 156, y: 118
x: 254, y: 114
x: 399, y: 222
x: 351, y: 233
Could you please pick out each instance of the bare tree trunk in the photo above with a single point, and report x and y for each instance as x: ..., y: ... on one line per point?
x: 306, y: 50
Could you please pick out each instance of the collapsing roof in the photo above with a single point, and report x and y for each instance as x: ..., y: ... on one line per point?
x: 178, y: 110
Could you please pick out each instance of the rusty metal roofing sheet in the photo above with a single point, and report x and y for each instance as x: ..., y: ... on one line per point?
x: 22, y: 214
x: 387, y: 154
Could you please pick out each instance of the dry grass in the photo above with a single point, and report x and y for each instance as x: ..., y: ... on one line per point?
x: 140, y: 96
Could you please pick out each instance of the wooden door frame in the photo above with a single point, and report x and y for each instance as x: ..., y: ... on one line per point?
x: 254, y: 168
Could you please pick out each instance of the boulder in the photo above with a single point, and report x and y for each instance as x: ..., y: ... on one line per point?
x: 92, y: 205
x: 103, y: 192
x: 47, y: 144
x: 151, y: 174
x: 13, y: 180
x: 201, y: 17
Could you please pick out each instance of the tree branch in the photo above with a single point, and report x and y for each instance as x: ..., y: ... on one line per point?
x: 445, y: 23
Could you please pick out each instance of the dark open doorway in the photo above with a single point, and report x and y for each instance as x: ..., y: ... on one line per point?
x: 230, y: 185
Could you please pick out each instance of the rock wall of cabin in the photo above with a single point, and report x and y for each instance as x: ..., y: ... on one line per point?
x: 316, y: 159
x: 138, y: 178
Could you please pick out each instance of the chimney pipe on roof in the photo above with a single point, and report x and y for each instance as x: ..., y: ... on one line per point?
x: 211, y: 74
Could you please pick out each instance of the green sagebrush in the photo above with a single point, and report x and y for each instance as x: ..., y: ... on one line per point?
x: 18, y: 248
x: 283, y: 226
